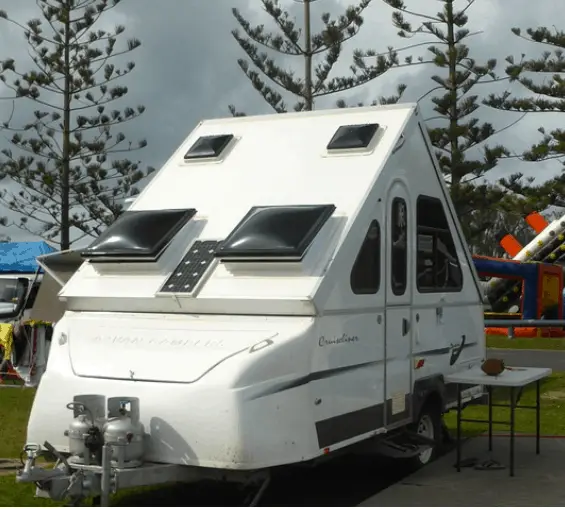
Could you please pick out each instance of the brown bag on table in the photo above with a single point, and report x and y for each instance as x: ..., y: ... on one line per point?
x: 493, y: 367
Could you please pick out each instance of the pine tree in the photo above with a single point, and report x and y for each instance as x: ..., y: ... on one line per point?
x: 460, y: 139
x: 547, y: 96
x: 5, y: 65
x: 506, y: 217
x: 68, y: 159
x: 319, y: 52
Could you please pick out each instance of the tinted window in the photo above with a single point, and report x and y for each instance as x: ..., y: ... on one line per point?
x: 399, y: 246
x: 366, y: 273
x: 275, y: 232
x: 139, y: 234
x: 438, y: 268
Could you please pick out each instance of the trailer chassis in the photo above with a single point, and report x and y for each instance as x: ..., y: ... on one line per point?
x: 76, y: 483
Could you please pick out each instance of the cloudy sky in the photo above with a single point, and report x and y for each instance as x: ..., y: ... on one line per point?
x: 186, y: 69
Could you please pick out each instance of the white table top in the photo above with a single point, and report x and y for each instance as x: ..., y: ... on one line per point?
x: 510, y: 377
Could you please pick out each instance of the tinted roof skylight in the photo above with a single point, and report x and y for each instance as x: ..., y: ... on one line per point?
x: 275, y: 232
x: 209, y: 146
x: 139, y: 235
x: 353, y: 136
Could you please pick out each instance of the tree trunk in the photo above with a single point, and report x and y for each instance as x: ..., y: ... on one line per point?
x: 65, y: 170
x: 453, y: 121
x: 308, y: 92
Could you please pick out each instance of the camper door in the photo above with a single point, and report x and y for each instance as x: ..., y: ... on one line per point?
x: 399, y: 288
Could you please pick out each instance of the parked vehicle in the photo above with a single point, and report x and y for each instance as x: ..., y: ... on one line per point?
x: 285, y: 288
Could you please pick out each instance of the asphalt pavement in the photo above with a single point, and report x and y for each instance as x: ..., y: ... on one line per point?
x: 538, y: 481
x: 554, y: 359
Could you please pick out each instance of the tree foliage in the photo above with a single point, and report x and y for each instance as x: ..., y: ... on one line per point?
x: 463, y: 143
x: 69, y: 159
x: 547, y: 95
x: 5, y: 65
x: 506, y: 217
x: 3, y: 223
x: 319, y: 52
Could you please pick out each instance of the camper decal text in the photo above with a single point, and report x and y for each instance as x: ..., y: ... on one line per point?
x: 323, y: 341
x: 158, y: 341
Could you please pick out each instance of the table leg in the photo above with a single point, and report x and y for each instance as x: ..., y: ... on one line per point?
x: 512, y: 431
x: 489, y: 389
x: 538, y: 412
x: 458, y: 446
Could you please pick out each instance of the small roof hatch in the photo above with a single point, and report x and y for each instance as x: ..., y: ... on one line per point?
x: 207, y: 147
x: 138, y: 235
x: 276, y: 232
x: 353, y: 137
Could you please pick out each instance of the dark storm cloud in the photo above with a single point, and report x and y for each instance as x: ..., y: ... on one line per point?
x: 186, y: 68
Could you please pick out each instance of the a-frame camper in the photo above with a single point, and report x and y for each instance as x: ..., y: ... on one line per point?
x: 286, y: 286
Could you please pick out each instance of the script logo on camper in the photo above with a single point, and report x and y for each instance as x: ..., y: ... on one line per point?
x: 323, y: 341
x: 456, y: 350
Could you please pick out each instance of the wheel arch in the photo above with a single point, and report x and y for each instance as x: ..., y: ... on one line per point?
x: 428, y: 390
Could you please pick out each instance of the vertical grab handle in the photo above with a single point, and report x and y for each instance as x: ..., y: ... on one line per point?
x: 405, y: 326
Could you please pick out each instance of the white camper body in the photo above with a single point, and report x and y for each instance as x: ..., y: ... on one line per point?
x: 267, y: 359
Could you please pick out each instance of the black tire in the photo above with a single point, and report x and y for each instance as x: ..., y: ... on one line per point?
x: 429, y: 425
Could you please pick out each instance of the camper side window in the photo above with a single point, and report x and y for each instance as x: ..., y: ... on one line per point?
x: 399, y: 247
x: 438, y: 268
x: 366, y: 272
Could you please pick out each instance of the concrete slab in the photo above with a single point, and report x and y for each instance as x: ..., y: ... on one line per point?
x: 539, y: 480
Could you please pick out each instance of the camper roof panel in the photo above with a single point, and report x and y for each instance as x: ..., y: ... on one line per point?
x: 277, y: 160
x: 269, y: 161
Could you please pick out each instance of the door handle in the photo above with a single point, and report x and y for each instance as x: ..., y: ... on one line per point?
x: 405, y: 326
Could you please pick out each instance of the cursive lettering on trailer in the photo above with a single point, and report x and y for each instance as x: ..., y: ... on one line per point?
x: 323, y: 341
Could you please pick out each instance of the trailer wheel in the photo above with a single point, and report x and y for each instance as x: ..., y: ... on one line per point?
x: 428, y: 425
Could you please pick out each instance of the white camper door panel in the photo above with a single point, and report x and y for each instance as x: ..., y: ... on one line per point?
x: 399, y: 288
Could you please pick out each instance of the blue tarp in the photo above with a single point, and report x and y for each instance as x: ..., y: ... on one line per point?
x: 19, y: 257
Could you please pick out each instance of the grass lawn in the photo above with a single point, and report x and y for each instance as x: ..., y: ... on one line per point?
x: 15, y: 405
x: 552, y: 411
x: 20, y: 495
x: 526, y: 343
x: 13, y: 494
